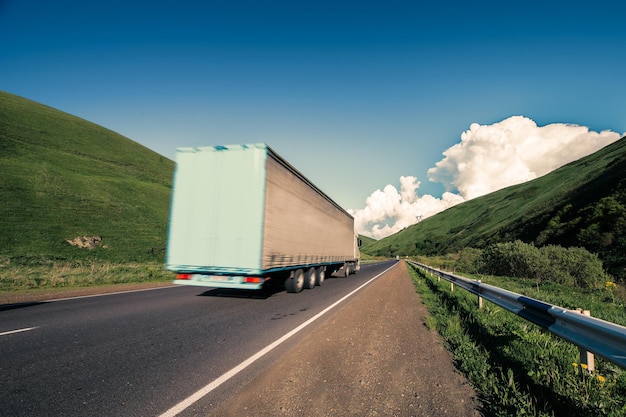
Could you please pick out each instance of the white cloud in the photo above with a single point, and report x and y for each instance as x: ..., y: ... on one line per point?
x: 488, y: 158
x: 515, y: 150
x: 388, y: 211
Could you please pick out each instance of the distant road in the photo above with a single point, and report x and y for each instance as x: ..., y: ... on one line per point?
x: 141, y: 353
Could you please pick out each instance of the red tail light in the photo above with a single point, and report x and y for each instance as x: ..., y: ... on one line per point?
x: 183, y: 276
x: 252, y: 280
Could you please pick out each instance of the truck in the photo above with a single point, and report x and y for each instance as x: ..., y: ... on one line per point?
x: 242, y: 217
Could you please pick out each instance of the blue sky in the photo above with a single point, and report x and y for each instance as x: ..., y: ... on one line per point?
x: 354, y: 94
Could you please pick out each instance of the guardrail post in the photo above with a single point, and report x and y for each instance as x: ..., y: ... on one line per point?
x: 452, y: 287
x: 586, y: 357
x: 480, y: 299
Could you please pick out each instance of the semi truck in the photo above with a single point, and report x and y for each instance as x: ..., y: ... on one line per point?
x: 242, y: 217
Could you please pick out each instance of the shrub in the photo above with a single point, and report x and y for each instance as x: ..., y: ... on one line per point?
x: 587, y: 269
x: 516, y: 259
x: 470, y: 261
x: 561, y: 261
x: 568, y: 266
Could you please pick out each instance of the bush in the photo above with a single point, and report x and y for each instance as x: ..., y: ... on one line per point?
x: 561, y: 261
x: 469, y: 261
x: 515, y: 259
x: 568, y: 266
x: 587, y: 269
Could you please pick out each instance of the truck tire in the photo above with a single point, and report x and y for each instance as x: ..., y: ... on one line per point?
x: 346, y: 270
x: 309, y: 278
x: 295, y: 282
x: 320, y: 275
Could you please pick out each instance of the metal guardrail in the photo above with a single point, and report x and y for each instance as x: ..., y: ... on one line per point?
x: 600, y: 337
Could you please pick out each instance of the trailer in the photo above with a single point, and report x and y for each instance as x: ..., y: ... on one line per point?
x: 242, y: 217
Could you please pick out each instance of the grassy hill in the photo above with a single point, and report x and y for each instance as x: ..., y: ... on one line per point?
x: 63, y: 177
x: 366, y: 241
x: 580, y: 204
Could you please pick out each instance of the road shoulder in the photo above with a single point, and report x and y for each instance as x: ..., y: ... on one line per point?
x: 372, y: 357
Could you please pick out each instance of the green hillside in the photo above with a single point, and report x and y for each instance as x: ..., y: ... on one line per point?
x: 366, y: 241
x: 580, y: 204
x: 63, y: 177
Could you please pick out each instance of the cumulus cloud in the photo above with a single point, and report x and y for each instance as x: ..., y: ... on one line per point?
x: 488, y: 158
x: 388, y: 211
x: 515, y: 150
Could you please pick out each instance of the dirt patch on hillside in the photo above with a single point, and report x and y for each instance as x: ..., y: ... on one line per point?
x: 373, y: 357
x: 85, y: 242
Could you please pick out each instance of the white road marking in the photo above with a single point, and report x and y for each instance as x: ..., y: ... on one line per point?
x: 109, y: 293
x: 83, y: 296
x: 184, y: 404
x: 18, y: 331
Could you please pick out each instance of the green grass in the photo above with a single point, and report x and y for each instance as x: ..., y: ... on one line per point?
x: 64, y: 177
x: 518, y: 368
x: 44, y: 275
x: 607, y: 302
x: 366, y: 241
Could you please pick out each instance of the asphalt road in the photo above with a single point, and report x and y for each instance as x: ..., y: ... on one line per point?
x: 141, y: 353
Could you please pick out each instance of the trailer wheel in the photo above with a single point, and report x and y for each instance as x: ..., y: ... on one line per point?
x: 295, y: 282
x: 346, y: 270
x: 320, y: 275
x: 309, y: 278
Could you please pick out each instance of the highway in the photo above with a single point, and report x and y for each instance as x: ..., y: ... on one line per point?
x: 142, y: 353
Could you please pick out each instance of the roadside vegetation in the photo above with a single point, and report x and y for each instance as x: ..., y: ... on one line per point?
x: 575, y: 267
x: 568, y: 277
x: 517, y: 367
x: 45, y: 274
